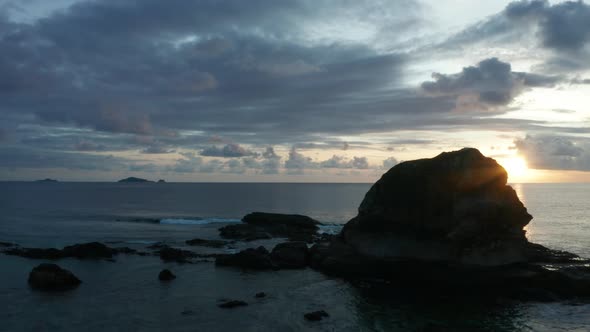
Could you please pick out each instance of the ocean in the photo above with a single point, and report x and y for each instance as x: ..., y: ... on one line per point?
x: 126, y: 296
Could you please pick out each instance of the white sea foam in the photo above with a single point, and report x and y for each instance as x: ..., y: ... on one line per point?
x: 330, y: 228
x: 204, y: 221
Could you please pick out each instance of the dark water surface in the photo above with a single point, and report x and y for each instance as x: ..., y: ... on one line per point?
x: 126, y: 295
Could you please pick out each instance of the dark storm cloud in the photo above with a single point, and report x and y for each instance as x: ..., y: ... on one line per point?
x: 555, y: 152
x: 563, y: 28
x: 490, y: 84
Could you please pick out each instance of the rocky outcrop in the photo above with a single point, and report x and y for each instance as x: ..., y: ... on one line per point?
x: 91, y: 250
x: 51, y: 277
x: 290, y: 255
x: 257, y: 259
x: 261, y: 225
x: 455, y: 207
x: 451, y: 222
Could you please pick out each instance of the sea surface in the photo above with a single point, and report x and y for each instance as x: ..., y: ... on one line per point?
x: 126, y: 296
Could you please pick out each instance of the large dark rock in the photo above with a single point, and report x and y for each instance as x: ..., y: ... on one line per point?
x: 455, y: 207
x: 261, y: 225
x: 290, y: 255
x: 258, y: 259
x: 51, y: 277
x: 450, y: 223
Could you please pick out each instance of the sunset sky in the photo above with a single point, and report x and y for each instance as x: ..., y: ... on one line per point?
x: 307, y: 90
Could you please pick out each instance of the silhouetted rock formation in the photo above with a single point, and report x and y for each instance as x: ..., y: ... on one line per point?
x: 51, y: 277
x: 132, y: 179
x: 454, y: 207
x: 452, y: 222
x: 261, y: 225
x: 166, y: 275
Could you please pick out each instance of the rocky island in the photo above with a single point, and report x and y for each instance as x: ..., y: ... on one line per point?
x: 132, y: 179
x: 450, y: 222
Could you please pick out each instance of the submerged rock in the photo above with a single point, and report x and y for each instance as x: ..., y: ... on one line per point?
x: 450, y: 222
x: 232, y: 304
x: 260, y: 295
x: 261, y: 225
x: 166, y: 275
x: 208, y: 243
x: 51, y: 277
x: 290, y: 255
x: 316, y: 315
x: 258, y: 259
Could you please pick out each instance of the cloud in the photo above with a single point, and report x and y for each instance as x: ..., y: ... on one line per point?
x: 555, y: 152
x: 562, y: 28
x: 489, y: 85
x: 228, y: 151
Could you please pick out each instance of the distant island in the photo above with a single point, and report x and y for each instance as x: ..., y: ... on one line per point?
x: 133, y: 180
x: 48, y: 180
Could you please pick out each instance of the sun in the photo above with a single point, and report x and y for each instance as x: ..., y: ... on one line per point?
x: 515, y: 166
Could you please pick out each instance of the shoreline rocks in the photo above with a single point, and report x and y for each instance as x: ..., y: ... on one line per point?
x: 262, y: 225
x: 51, y: 277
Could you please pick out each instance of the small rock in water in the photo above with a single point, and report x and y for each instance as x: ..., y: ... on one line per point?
x: 51, y: 277
x: 166, y: 275
x: 232, y: 304
x: 316, y: 315
x: 6, y: 244
x: 260, y: 295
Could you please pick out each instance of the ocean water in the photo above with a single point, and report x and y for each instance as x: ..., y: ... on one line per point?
x: 126, y: 296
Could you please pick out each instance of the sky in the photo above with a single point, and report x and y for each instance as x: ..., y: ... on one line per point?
x: 290, y: 91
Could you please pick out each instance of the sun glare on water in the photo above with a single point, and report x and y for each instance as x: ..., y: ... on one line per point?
x: 515, y: 166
